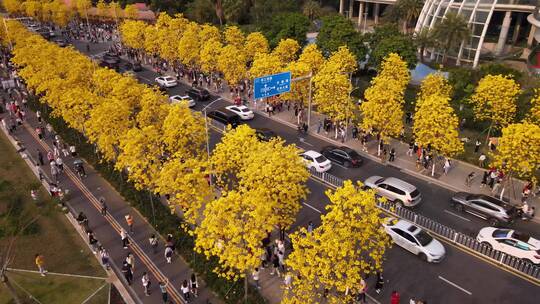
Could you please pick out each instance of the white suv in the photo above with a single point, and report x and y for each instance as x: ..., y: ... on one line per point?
x: 511, y: 242
x: 395, y: 190
x: 412, y: 238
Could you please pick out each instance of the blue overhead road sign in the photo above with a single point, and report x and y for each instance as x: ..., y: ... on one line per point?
x: 272, y: 85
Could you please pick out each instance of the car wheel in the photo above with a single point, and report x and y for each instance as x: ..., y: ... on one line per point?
x: 528, y: 261
x: 487, y: 245
x: 346, y: 164
x: 459, y: 207
x: 493, y: 222
x: 399, y: 204
x: 422, y: 257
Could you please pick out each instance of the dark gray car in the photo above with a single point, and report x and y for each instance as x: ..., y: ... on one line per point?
x: 489, y: 208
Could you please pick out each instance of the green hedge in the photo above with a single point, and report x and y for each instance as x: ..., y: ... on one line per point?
x: 165, y: 222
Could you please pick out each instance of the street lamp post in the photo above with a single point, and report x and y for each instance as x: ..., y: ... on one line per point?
x: 207, y: 132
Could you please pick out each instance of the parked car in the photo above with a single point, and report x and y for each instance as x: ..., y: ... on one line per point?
x: 315, y: 160
x: 244, y: 112
x: 106, y: 63
x: 198, y: 94
x: 166, y: 81
x: 511, y: 242
x: 344, y: 156
x: 225, y: 117
x: 395, y: 190
x: 486, y: 207
x: 111, y: 57
x: 265, y: 134
x: 182, y: 99
x: 412, y: 238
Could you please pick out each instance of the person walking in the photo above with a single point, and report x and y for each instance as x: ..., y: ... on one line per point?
x: 104, y: 258
x: 310, y: 227
x: 477, y: 145
x: 60, y: 164
x: 92, y: 241
x: 126, y: 271
x: 130, y: 259
x: 394, y: 298
x: 275, y: 264
x: 125, y: 240
x: 361, y: 297
x: 163, y: 289
x: 446, y: 166
x: 129, y: 221
x: 380, y: 282
x: 255, y: 275
x: 392, y: 155
x: 168, y: 254
x: 194, y: 284
x: 287, y: 281
x: 40, y: 263
x: 103, y: 206
x: 40, y: 158
x: 153, y: 242
x: 484, y: 179
x: 482, y: 160
x: 185, y: 290
x: 146, y: 283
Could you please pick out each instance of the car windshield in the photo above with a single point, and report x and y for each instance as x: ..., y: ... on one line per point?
x: 320, y: 159
x: 245, y: 110
x: 168, y: 78
x: 380, y: 180
x: 415, y: 193
x: 353, y: 154
x: 424, y: 238
x: 520, y: 236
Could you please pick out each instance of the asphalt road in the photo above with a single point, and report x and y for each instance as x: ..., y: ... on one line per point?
x: 459, y: 278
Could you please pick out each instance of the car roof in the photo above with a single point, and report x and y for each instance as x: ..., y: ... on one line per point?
x: 167, y: 77
x: 396, y: 182
x: 312, y: 153
x: 407, y: 226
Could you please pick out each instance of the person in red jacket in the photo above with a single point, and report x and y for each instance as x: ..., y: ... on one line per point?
x: 394, y: 299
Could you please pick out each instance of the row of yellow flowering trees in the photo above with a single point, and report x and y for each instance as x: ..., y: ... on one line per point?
x: 60, y: 13
x: 161, y: 149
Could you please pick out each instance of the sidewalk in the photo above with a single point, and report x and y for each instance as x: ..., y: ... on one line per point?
x: 83, y: 196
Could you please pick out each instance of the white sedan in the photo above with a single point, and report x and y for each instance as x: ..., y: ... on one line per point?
x: 315, y: 160
x: 244, y: 112
x: 182, y: 99
x: 511, y: 242
x: 412, y: 238
x: 166, y: 81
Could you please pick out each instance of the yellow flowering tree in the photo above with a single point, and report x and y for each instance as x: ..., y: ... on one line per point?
x: 131, y: 11
x: 349, y: 244
x: 232, y: 63
x: 183, y: 132
x: 234, y: 36
x: 333, y: 86
x: 436, y: 124
x: 209, y: 55
x: 534, y: 113
x: 209, y: 32
x: 382, y: 109
x: 435, y: 84
x: 286, y: 50
x: 255, y: 44
x: 185, y: 181
x: 518, y: 152
x: 189, y: 46
x: 265, y: 64
x: 313, y: 57
x: 133, y: 33
x: 12, y: 6
x: 494, y: 100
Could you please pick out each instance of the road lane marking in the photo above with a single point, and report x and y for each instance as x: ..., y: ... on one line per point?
x: 456, y: 285
x: 457, y: 215
x: 303, y: 141
x: 308, y: 205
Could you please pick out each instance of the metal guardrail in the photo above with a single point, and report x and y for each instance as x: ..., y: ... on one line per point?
x: 451, y: 235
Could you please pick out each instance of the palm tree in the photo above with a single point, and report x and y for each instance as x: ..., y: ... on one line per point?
x: 408, y: 11
x: 424, y: 39
x: 451, y: 30
x: 312, y: 9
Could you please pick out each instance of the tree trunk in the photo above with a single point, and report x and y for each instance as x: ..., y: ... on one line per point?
x: 219, y: 12
x: 246, y: 288
x: 489, y: 133
x: 9, y: 287
x: 422, y: 49
x: 153, y: 210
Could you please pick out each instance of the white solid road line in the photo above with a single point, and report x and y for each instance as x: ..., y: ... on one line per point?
x: 456, y: 285
x: 308, y: 205
x: 457, y: 215
x: 303, y: 141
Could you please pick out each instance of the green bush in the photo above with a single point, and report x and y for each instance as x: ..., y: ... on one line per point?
x: 165, y: 222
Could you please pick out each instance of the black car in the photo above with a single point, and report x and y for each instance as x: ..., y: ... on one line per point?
x: 265, y: 134
x: 111, y: 58
x: 342, y: 155
x: 225, y: 117
x: 61, y: 42
x: 198, y: 94
x: 135, y: 66
x: 109, y: 63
